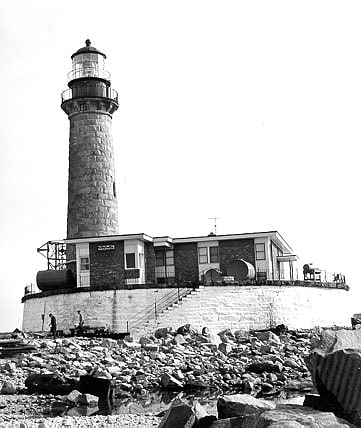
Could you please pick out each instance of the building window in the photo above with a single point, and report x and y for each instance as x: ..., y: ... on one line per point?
x: 159, y: 258
x: 169, y: 257
x: 83, y: 107
x: 213, y: 255
x: 84, y: 263
x: 260, y: 252
x: 130, y: 260
x: 163, y: 257
x: 203, y: 255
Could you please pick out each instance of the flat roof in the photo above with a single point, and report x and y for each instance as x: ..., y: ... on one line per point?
x: 144, y: 237
x: 274, y: 234
x: 140, y: 236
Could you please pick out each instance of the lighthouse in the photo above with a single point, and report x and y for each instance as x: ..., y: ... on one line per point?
x: 90, y: 103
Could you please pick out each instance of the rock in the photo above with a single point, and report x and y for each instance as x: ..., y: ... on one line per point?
x: 264, y: 366
x: 187, y: 329
x: 291, y: 415
x: 280, y: 329
x: 268, y: 336
x: 132, y: 345
x: 203, y: 420
x: 152, y: 347
x: 145, y: 340
x: 202, y: 338
x: 88, y: 400
x: 162, y: 332
x: 10, y: 367
x: 247, y: 421
x: 225, y: 348
x: 179, y: 338
x: 169, y: 382
x: 291, y: 363
x: 179, y: 415
x: 334, y: 340
x: 205, y: 331
x: 299, y: 384
x: 8, y: 387
x: 102, y: 388
x: 74, y: 396
x: 230, y: 406
x: 337, y: 377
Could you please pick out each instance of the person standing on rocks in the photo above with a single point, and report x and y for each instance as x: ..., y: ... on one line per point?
x: 81, y: 322
x: 53, y: 325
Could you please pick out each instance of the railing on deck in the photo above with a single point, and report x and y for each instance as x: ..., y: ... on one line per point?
x: 152, y: 311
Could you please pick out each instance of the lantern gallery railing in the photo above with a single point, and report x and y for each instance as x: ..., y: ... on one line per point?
x: 81, y: 72
x: 90, y: 92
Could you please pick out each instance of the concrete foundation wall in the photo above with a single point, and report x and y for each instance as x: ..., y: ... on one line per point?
x: 218, y: 308
x: 110, y: 308
x: 259, y: 307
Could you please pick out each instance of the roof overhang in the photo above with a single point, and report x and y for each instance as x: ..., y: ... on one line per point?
x: 272, y: 235
x: 287, y: 258
x: 163, y: 241
x: 136, y: 236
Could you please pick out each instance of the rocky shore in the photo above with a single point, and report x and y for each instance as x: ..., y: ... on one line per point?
x: 260, y: 364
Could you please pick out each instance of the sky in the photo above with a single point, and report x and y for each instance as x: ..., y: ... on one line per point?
x: 248, y: 111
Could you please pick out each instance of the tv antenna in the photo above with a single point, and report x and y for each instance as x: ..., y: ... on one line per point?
x: 215, y: 223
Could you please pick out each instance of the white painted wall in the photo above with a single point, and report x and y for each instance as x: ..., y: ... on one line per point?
x: 236, y: 307
x: 137, y: 247
x: 204, y: 267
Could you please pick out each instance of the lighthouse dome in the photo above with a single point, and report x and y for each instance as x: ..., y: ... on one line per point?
x: 88, y: 48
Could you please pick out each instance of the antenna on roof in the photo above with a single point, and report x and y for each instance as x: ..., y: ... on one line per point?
x: 215, y: 223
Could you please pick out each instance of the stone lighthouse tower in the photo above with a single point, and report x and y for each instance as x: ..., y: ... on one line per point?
x: 89, y: 103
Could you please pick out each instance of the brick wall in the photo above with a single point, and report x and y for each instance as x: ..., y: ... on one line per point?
x: 186, y: 262
x: 107, y: 267
x: 236, y: 249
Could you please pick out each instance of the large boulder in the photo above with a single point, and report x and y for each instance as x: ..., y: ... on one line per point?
x: 335, y: 366
x: 203, y: 419
x: 179, y: 415
x: 293, y: 416
x: 334, y: 340
x: 230, y: 406
x: 337, y: 378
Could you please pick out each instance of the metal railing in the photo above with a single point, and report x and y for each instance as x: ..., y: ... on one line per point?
x: 152, y: 311
x: 90, y: 92
x: 81, y: 72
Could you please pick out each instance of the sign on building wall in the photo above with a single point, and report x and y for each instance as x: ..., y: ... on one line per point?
x: 106, y: 247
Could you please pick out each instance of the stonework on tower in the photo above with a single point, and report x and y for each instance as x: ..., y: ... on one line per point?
x: 90, y: 102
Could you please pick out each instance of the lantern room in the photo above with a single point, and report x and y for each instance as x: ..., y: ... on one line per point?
x: 88, y: 62
x: 88, y: 77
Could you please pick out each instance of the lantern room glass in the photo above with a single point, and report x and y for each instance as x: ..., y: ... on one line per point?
x: 88, y: 65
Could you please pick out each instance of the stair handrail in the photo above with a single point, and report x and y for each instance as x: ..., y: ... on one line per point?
x: 151, y: 311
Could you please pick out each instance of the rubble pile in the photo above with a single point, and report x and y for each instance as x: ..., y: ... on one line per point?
x: 255, y: 364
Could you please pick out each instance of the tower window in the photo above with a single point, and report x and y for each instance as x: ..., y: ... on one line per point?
x: 114, y: 190
x: 83, y: 107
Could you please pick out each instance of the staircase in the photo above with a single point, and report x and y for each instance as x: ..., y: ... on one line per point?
x: 144, y: 318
